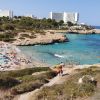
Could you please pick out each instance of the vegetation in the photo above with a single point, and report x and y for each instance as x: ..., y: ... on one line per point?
x: 28, y: 23
x: 71, y: 89
x: 70, y: 24
x: 30, y: 82
x: 7, y: 37
x: 23, y: 72
x: 8, y: 82
x: 10, y: 27
x: 21, y: 81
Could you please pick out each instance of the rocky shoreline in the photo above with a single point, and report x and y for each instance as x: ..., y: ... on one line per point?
x: 92, y: 31
x: 40, y: 39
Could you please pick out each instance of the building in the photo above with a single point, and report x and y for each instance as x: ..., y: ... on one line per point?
x: 6, y: 13
x: 70, y: 17
x: 65, y: 16
x: 56, y: 16
x: 31, y: 16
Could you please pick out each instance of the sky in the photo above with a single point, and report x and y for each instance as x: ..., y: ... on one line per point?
x: 89, y: 10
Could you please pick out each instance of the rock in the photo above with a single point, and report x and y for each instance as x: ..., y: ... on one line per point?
x: 81, y: 31
x: 48, y: 38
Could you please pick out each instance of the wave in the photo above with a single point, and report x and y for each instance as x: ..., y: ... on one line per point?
x: 59, y: 56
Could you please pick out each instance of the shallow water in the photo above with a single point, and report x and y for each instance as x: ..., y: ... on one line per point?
x: 82, y: 49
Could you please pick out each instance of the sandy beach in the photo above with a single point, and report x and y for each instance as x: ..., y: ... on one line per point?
x: 11, y: 58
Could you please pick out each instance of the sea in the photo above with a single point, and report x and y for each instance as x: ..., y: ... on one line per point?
x: 96, y: 27
x: 81, y: 49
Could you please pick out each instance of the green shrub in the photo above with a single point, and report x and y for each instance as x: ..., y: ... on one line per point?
x: 8, y: 82
x: 25, y: 35
x: 8, y: 26
x: 25, y: 87
x: 31, y: 37
x: 43, y: 77
x: 20, y: 81
x: 20, y: 73
x: 7, y: 37
x: 22, y: 38
x: 50, y: 74
x: 30, y: 82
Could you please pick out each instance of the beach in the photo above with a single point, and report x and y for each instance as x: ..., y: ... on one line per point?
x: 67, y: 52
x: 11, y: 58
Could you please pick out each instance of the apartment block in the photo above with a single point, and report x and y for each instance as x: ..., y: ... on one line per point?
x: 65, y: 16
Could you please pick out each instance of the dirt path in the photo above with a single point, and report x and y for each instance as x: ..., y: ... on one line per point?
x: 56, y: 80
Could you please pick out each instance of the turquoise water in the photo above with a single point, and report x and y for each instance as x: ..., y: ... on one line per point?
x: 82, y: 49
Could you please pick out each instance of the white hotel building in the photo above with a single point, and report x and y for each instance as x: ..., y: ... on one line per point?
x: 66, y: 16
x: 30, y: 15
x: 6, y: 13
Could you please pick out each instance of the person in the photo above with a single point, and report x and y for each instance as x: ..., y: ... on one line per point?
x: 60, y: 68
x: 62, y: 64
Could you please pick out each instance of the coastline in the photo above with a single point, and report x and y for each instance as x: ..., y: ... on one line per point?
x: 49, y: 37
x: 92, y: 31
x: 39, y: 39
x: 42, y: 39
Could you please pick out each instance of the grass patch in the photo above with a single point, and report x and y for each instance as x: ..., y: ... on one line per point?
x: 25, y: 87
x: 71, y: 89
x: 8, y: 82
x: 21, y: 81
x: 30, y: 82
x: 65, y: 91
x: 23, y: 72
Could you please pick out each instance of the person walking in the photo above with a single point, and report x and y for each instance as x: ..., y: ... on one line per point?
x: 61, y: 66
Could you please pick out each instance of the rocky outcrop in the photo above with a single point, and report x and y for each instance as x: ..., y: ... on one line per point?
x: 74, y: 31
x: 48, y: 38
x: 82, y: 31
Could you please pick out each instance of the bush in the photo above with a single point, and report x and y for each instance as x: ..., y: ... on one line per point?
x: 8, y: 26
x: 8, y: 82
x: 31, y: 37
x: 20, y: 73
x: 7, y: 37
x: 43, y: 77
x: 25, y: 35
x: 22, y: 38
x: 20, y: 81
x: 50, y: 74
x: 25, y: 87
x: 29, y: 82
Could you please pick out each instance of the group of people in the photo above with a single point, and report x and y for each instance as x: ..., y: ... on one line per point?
x: 10, y: 56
